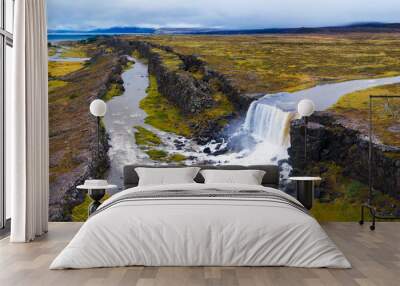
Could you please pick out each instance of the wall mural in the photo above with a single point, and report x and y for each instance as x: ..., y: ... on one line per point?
x: 226, y: 99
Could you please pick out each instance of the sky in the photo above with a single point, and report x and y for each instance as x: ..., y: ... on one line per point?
x: 225, y: 14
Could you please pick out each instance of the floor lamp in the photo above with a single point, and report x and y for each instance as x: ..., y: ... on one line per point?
x: 305, y: 108
x: 96, y: 188
x: 305, y: 184
x: 98, y: 108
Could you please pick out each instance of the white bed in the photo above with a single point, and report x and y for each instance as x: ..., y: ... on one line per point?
x: 201, y: 231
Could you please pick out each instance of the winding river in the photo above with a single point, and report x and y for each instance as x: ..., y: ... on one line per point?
x: 267, y: 122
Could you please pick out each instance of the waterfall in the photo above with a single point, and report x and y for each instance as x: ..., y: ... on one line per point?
x: 267, y: 123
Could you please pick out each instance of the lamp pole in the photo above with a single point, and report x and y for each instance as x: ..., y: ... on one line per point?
x: 305, y: 108
x: 305, y: 140
x: 98, y: 139
x: 98, y: 108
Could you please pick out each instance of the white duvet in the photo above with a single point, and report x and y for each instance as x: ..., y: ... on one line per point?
x: 200, y: 231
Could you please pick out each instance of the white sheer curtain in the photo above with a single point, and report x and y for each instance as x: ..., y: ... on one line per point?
x: 27, y: 151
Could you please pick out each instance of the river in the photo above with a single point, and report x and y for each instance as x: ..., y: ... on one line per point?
x: 267, y: 123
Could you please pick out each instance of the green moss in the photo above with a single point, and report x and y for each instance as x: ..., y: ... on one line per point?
x: 169, y: 60
x: 144, y: 137
x: 338, y: 210
x: 114, y: 90
x: 128, y: 65
x: 162, y: 156
x: 55, y: 84
x: 80, y: 212
x: 161, y: 113
x: 221, y: 108
x: 157, y: 155
x: 177, y: 157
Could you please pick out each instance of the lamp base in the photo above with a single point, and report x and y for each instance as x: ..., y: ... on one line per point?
x: 96, y: 196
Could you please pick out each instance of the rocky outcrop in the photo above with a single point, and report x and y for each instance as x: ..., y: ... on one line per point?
x: 329, y: 140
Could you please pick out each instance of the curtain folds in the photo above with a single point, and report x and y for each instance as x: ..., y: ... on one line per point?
x: 28, y: 124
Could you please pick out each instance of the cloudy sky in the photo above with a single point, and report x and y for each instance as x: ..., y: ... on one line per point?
x: 231, y: 14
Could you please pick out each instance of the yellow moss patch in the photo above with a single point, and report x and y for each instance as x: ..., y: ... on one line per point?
x: 114, y: 90
x: 157, y: 155
x: 177, y: 158
x: 58, y: 69
x: 128, y: 65
x: 54, y: 84
x: 144, y: 137
x: 169, y: 60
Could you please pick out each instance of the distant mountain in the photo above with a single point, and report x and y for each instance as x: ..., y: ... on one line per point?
x: 186, y: 30
x: 353, y: 28
x: 112, y: 30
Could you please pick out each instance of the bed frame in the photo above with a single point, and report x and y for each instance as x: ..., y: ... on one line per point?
x: 271, y: 177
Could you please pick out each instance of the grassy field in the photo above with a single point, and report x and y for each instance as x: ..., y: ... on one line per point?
x: 291, y: 62
x: 355, y: 106
x: 59, y: 69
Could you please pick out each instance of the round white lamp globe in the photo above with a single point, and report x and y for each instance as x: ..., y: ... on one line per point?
x: 306, y: 107
x: 98, y: 108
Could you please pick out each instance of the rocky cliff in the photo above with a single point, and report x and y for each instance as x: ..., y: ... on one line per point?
x: 73, y: 136
x: 329, y: 140
x: 192, y: 87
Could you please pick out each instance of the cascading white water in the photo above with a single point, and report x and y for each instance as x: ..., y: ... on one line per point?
x: 268, y: 123
x: 269, y: 126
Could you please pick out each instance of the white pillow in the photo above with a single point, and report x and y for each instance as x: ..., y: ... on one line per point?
x: 247, y: 177
x: 166, y: 176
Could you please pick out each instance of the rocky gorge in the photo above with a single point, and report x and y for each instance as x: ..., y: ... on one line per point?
x: 73, y: 130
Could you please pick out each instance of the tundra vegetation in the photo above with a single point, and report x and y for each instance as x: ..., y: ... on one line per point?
x: 276, y: 63
x: 251, y: 64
